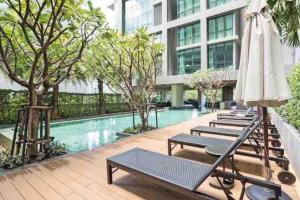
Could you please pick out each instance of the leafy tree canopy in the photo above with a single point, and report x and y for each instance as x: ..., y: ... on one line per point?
x: 286, y: 15
x: 129, y: 64
x: 41, y: 40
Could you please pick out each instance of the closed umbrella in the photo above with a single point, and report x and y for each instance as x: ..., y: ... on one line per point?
x: 261, y: 78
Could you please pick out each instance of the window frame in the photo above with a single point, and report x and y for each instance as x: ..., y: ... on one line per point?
x: 228, y: 59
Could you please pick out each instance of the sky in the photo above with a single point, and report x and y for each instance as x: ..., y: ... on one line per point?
x: 103, y: 4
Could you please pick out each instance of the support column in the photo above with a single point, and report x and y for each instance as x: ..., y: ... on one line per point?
x: 177, y: 95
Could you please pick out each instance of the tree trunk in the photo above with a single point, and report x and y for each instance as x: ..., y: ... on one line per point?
x: 213, y: 100
x: 54, y: 103
x: 33, y: 121
x: 212, y: 106
x: 199, y: 100
x: 101, y: 97
x: 143, y: 118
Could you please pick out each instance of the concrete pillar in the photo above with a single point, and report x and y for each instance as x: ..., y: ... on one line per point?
x: 204, y: 48
x: 177, y: 95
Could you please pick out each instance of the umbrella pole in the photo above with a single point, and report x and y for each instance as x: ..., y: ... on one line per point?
x: 256, y: 192
x: 266, y: 144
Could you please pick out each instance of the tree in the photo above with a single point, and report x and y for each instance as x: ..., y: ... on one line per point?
x: 77, y: 75
x: 41, y: 41
x: 128, y: 64
x: 89, y: 73
x: 286, y: 15
x: 209, y: 82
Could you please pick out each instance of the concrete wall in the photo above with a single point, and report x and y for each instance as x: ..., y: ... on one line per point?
x: 66, y: 86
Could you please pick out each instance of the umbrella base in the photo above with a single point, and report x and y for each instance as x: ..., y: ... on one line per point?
x: 255, y: 192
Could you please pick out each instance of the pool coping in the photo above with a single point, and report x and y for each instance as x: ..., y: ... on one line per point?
x: 4, y: 126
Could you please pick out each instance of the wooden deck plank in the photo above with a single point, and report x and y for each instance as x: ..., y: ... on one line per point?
x: 76, y: 186
x: 74, y: 196
x: 24, y: 188
x: 83, y: 175
x: 8, y: 191
x: 45, y: 190
x: 61, y: 188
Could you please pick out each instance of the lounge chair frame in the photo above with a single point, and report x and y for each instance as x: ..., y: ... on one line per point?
x: 112, y: 167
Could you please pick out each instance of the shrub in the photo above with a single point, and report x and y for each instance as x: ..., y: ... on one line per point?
x: 137, y: 129
x: 9, y: 162
x: 290, y: 111
x: 52, y: 150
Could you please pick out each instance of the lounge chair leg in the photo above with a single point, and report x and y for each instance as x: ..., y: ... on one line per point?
x: 169, y: 148
x: 181, y: 146
x: 109, y: 173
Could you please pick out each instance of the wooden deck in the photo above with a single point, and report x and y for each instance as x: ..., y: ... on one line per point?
x: 83, y: 175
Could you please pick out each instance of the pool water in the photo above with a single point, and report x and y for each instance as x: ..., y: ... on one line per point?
x: 89, y: 133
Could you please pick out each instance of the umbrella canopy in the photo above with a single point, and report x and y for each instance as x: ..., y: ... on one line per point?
x: 261, y: 79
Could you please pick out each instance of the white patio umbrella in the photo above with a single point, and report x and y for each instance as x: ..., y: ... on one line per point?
x: 261, y: 78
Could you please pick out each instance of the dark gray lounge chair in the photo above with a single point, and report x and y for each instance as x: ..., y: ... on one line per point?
x: 235, y: 123
x: 217, y: 131
x: 246, y: 118
x: 177, y: 174
x: 217, y: 144
x: 236, y: 133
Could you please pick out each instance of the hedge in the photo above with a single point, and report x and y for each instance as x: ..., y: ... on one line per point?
x: 291, y: 111
x: 69, y: 104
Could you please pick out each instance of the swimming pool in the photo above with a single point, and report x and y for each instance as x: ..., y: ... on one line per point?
x: 89, y: 133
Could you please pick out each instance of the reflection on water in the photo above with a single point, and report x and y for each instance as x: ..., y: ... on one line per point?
x: 93, y: 139
x: 89, y: 133
x: 195, y: 114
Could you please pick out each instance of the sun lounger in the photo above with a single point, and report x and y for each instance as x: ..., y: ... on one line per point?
x: 235, y: 123
x: 217, y: 131
x: 246, y: 118
x: 215, y: 146
x: 248, y: 111
x: 199, y: 130
x: 177, y: 174
x: 211, y: 142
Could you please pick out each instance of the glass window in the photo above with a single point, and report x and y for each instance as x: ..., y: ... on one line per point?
x: 220, y: 55
x: 188, y: 61
x: 187, y: 7
x: 215, y: 3
x: 158, y: 37
x: 157, y: 14
x: 138, y: 13
x: 220, y: 27
x: 188, y: 35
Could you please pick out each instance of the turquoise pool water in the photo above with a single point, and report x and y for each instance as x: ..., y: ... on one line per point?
x: 90, y: 133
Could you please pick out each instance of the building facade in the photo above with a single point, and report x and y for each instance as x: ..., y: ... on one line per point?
x: 197, y: 34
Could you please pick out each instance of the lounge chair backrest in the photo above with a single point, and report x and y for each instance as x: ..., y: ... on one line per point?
x: 250, y: 129
x: 235, y: 145
x: 248, y: 111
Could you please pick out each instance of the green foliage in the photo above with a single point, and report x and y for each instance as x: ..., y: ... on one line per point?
x: 55, y: 149
x: 52, y: 150
x: 286, y: 15
x: 9, y: 162
x: 70, y: 105
x: 41, y: 41
x: 138, y: 129
x: 129, y: 64
x: 209, y: 82
x: 290, y: 111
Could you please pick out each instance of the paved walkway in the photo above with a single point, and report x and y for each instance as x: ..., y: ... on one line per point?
x: 83, y: 175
